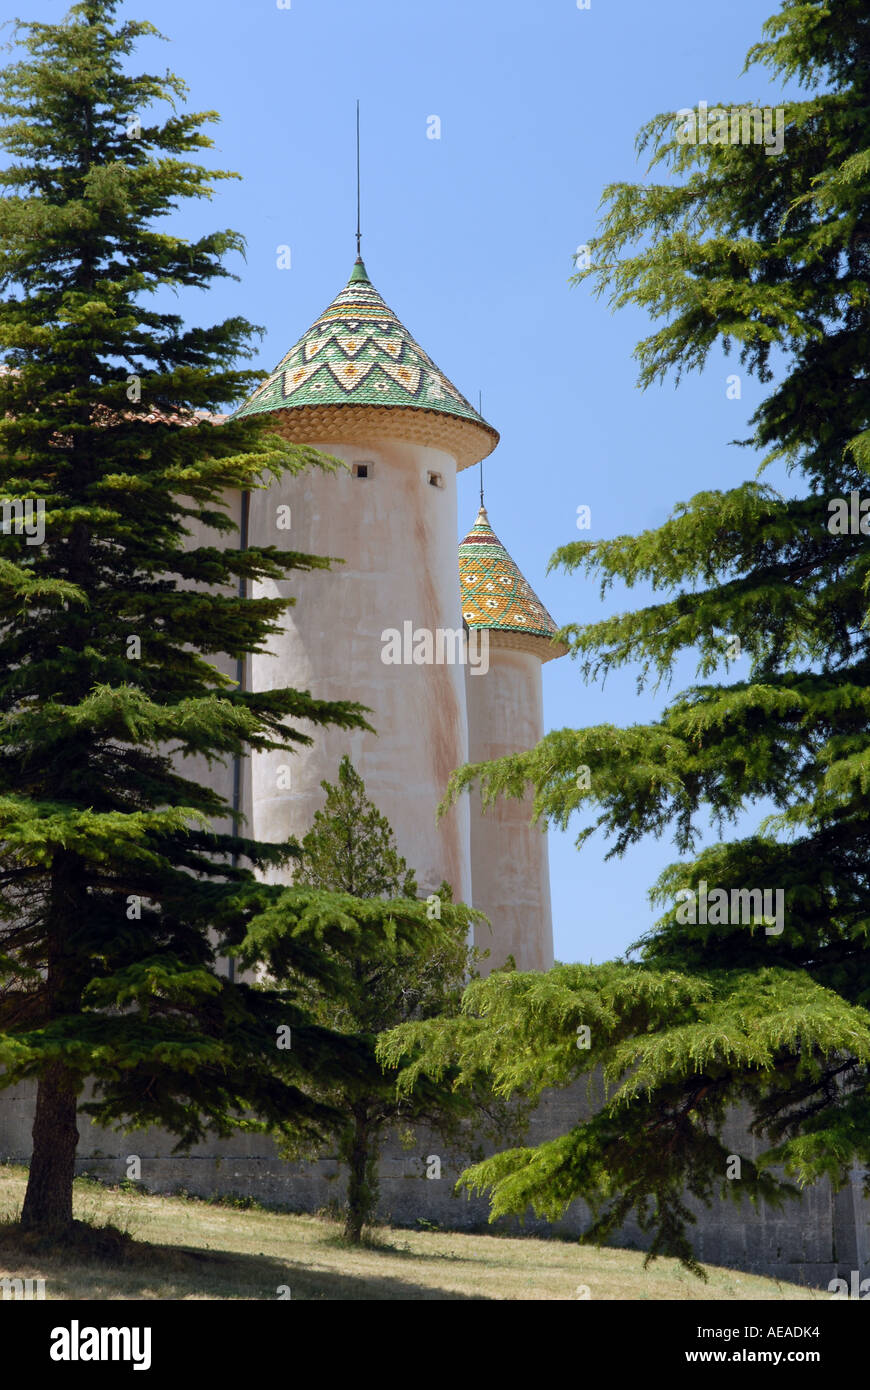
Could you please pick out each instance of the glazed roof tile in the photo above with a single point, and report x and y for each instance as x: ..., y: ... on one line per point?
x: 358, y: 353
x: 494, y: 593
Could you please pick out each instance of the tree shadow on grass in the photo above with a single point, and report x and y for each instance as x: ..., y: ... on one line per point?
x: 100, y: 1264
x: 309, y: 1284
x: 377, y: 1245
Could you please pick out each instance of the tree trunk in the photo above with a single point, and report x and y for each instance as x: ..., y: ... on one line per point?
x: 48, y: 1199
x: 362, y: 1184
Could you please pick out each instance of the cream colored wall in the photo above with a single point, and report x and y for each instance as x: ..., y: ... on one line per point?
x: 397, y: 535
x: 510, y: 869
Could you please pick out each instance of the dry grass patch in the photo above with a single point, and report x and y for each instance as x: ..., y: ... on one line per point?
x: 178, y: 1248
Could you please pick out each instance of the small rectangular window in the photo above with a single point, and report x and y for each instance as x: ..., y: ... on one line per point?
x: 361, y: 470
x: 435, y: 479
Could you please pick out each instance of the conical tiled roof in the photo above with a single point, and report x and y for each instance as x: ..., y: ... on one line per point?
x: 357, y: 353
x: 494, y: 594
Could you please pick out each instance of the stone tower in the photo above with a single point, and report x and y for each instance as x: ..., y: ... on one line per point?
x: 509, y: 862
x: 358, y: 387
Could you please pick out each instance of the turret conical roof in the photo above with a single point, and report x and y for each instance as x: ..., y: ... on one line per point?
x: 494, y: 594
x: 358, y: 354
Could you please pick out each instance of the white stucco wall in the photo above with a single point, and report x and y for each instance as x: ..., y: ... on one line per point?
x: 397, y: 535
x: 510, y: 869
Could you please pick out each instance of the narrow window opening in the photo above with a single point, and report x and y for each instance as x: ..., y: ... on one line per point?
x: 435, y: 479
x: 362, y: 470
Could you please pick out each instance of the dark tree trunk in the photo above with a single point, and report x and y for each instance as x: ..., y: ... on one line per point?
x: 48, y: 1200
x: 361, y: 1155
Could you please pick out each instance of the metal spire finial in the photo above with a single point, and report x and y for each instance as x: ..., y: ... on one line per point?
x: 480, y: 413
x: 358, y: 227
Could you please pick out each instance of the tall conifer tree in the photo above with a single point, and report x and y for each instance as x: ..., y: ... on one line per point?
x: 769, y: 253
x: 115, y: 892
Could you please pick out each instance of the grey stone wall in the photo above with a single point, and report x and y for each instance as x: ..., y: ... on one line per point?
x: 810, y: 1241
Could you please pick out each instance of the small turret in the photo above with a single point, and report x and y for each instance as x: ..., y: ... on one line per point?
x: 509, y: 862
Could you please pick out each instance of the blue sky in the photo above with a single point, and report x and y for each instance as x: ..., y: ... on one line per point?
x: 470, y: 239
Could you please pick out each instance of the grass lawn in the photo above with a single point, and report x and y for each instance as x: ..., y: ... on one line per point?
x: 187, y: 1249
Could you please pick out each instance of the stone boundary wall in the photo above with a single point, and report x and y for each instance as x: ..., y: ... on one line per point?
x: 810, y: 1241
